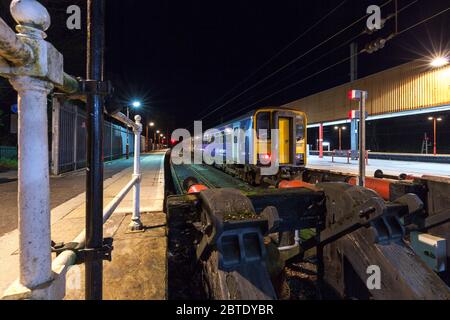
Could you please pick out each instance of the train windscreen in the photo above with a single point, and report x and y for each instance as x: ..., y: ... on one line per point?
x: 263, y: 126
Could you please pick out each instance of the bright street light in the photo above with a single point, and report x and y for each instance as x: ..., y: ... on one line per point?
x: 439, y: 62
x: 152, y: 124
x: 136, y: 104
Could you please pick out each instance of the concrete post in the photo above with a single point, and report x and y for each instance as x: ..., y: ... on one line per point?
x: 34, y: 186
x: 136, y: 223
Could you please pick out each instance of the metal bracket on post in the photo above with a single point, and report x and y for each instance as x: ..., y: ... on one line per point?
x: 104, y: 253
x: 94, y: 87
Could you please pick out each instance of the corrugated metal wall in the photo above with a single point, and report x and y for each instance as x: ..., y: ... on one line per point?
x: 407, y: 87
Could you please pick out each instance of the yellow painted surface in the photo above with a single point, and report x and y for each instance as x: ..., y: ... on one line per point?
x: 264, y: 147
x: 285, y: 140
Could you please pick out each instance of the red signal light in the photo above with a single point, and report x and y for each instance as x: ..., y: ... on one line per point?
x: 354, y: 94
x: 357, y: 95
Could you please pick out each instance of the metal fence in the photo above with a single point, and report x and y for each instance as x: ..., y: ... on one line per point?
x: 8, y: 153
x: 69, y: 138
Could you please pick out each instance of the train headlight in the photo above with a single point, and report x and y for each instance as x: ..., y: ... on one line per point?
x: 265, y: 159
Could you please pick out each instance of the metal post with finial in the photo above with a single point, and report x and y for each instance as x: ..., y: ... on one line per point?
x: 136, y: 223
x: 34, y: 67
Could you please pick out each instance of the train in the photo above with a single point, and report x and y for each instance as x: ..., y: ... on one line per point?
x: 290, y: 153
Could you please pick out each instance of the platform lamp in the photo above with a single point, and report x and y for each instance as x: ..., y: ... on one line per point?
x: 340, y: 129
x: 150, y: 125
x: 157, y: 132
x: 136, y: 105
x: 438, y: 61
x: 435, y: 122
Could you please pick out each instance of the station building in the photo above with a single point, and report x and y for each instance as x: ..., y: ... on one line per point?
x: 401, y: 102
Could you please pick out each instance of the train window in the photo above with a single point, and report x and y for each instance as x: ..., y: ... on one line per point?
x: 263, y: 126
x: 300, y: 125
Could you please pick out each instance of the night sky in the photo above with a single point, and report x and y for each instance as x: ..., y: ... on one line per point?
x: 180, y: 57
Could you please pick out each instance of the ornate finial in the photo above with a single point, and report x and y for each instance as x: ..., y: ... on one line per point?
x: 138, y: 120
x: 31, y: 14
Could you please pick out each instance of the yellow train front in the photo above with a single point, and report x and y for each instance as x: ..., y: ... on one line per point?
x: 289, y: 127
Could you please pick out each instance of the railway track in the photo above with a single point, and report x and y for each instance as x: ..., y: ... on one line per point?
x: 208, y: 176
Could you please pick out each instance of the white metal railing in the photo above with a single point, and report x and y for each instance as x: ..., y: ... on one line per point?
x: 68, y: 258
x: 34, y: 68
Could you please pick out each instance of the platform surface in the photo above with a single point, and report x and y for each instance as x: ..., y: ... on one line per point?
x: 138, y: 270
x: 389, y: 167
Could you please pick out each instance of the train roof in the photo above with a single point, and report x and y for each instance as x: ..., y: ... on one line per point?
x: 250, y: 114
x: 243, y: 117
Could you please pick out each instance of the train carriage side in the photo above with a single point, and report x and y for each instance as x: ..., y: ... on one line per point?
x: 248, y: 159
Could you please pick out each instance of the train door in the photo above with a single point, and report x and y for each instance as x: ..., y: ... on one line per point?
x: 285, y: 143
x: 236, y: 142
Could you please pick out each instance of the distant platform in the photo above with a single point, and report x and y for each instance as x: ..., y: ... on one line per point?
x: 410, y: 157
x: 390, y: 167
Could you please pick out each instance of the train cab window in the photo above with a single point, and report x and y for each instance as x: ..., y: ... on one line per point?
x: 300, y: 128
x: 263, y: 129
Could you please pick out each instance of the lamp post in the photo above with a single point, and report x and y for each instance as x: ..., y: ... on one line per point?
x: 437, y: 62
x: 156, y: 135
x: 435, y: 121
x: 340, y: 129
x: 150, y: 125
x: 135, y: 104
